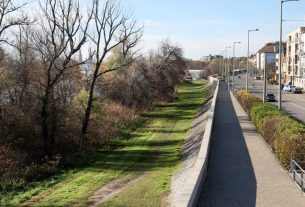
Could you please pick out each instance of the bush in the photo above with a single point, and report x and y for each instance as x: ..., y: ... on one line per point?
x: 273, y: 82
x: 284, y: 134
x: 247, y: 100
x: 259, y: 111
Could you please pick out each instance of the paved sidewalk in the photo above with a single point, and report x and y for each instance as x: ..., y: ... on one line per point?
x: 242, y: 170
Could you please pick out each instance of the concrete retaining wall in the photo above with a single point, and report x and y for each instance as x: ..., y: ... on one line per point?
x: 213, y: 80
x: 193, y: 186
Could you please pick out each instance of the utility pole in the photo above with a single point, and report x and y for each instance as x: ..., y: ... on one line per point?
x: 221, y: 62
x: 228, y: 73
x: 281, y: 53
x: 248, y: 56
x: 233, y: 68
x: 226, y: 68
x: 265, y: 79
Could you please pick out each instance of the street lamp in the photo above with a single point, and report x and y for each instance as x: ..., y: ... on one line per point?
x: 247, y: 74
x: 280, y: 58
x: 233, y: 66
x: 226, y: 66
x: 221, y: 64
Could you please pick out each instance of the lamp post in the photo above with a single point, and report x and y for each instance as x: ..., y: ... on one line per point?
x: 247, y: 73
x: 221, y: 62
x: 226, y: 67
x: 233, y: 66
x: 281, y: 53
x: 265, y: 80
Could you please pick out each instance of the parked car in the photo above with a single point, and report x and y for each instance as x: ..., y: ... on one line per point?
x: 270, y: 97
x: 288, y: 88
x: 297, y: 90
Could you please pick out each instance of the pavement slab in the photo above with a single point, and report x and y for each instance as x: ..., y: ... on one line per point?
x: 242, y: 169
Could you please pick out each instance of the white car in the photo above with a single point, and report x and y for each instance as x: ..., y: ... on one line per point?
x: 288, y: 88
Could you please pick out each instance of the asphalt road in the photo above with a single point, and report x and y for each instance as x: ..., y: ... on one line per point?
x: 293, y: 104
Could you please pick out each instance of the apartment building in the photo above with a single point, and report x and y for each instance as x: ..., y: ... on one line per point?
x: 295, y: 58
x: 266, y: 58
x: 284, y: 65
x: 302, y: 56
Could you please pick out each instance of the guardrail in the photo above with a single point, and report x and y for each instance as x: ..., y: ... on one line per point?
x: 193, y: 186
x: 297, y: 174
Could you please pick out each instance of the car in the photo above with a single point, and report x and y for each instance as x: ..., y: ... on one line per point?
x: 238, y: 76
x: 270, y: 97
x: 287, y: 88
x: 296, y: 90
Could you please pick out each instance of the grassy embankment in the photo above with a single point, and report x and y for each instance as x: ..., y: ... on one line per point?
x: 148, y: 149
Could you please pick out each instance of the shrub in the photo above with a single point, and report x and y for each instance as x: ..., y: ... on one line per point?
x: 289, y: 147
x: 260, y: 111
x: 273, y: 82
x: 284, y: 134
x: 247, y: 100
x: 269, y: 128
x: 39, y: 171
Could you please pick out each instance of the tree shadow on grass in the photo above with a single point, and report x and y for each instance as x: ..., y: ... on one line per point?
x: 145, y: 154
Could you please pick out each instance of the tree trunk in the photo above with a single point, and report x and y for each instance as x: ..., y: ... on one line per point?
x: 88, y: 109
x: 44, y: 118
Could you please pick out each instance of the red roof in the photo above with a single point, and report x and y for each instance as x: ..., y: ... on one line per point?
x: 271, y: 48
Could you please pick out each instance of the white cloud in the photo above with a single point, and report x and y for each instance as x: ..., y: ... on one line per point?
x: 154, y: 24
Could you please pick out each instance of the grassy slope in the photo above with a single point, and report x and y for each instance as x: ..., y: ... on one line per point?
x: 152, y: 149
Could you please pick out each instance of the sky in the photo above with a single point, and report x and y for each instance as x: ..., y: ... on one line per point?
x: 203, y: 27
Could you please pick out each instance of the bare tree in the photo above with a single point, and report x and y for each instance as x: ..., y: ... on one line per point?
x: 23, y: 64
x: 59, y: 36
x: 10, y: 16
x: 112, y: 28
x: 214, y: 66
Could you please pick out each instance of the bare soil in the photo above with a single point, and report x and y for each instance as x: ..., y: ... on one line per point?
x: 110, y: 190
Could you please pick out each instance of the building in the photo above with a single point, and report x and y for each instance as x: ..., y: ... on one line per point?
x: 206, y: 58
x: 295, y: 58
x: 284, y: 60
x: 302, y: 57
x: 266, y: 58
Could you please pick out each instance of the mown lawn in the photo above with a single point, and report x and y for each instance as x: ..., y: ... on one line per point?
x: 149, y: 148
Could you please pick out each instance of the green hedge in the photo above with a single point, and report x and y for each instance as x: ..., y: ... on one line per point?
x: 247, y: 100
x: 285, y: 135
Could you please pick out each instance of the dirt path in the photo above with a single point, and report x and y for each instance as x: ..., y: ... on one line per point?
x: 190, y: 150
x: 110, y: 190
x: 117, y: 186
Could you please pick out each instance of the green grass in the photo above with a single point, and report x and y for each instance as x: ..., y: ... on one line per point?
x: 149, y: 146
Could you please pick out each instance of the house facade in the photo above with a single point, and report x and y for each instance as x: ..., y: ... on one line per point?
x: 302, y: 56
x: 266, y: 58
x: 295, y: 63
